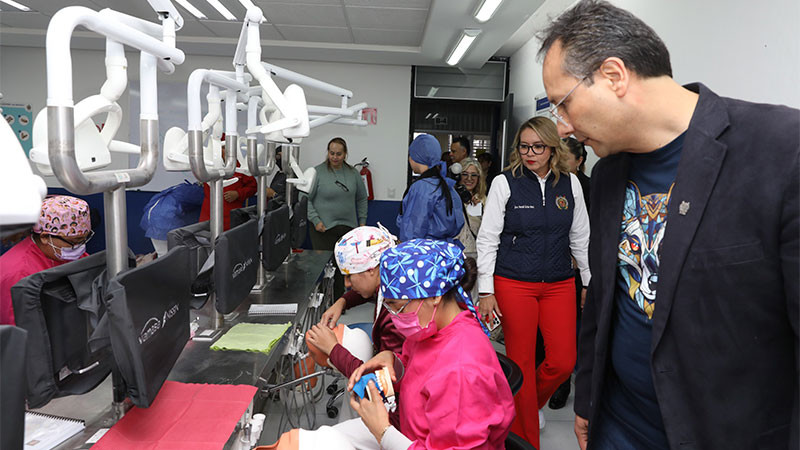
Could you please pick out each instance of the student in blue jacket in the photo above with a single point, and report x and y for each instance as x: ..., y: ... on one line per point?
x: 431, y: 207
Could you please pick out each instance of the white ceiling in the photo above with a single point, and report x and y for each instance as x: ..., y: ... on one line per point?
x: 407, y: 32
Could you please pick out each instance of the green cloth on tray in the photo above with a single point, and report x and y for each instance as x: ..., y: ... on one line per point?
x: 252, y: 337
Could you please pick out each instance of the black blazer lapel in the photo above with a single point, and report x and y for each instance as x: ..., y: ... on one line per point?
x: 701, y: 159
x: 609, y: 219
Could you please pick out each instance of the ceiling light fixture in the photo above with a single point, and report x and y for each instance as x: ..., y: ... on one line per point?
x: 222, y: 9
x: 19, y: 6
x: 191, y: 8
x: 486, y: 10
x: 464, y: 42
x: 248, y: 4
x: 432, y: 92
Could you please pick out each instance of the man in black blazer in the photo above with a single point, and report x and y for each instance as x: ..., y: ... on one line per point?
x: 689, y: 337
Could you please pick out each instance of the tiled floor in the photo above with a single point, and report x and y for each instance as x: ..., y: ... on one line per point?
x: 557, y: 435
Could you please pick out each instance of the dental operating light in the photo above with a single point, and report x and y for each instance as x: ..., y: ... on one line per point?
x: 226, y: 13
x: 486, y: 10
x: 192, y: 9
x: 464, y: 43
x: 19, y: 6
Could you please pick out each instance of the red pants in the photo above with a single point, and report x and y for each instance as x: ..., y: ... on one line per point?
x: 525, y: 307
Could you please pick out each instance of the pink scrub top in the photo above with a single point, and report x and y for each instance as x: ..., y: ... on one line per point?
x: 20, y: 261
x: 454, y: 394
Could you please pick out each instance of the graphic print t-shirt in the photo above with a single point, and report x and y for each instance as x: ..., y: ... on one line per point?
x: 630, y: 399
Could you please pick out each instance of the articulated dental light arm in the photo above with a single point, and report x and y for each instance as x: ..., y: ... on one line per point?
x: 334, y: 116
x: 291, y: 115
x: 252, y: 142
x: 195, y: 130
x: 59, y: 56
x: 60, y: 106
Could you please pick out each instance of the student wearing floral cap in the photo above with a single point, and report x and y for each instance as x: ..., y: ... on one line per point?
x: 60, y: 236
x: 452, y: 391
x: 358, y: 254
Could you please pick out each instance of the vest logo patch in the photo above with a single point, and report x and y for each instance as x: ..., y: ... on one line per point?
x: 562, y: 203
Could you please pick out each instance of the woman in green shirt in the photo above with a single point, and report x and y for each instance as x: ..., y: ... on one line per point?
x: 337, y: 202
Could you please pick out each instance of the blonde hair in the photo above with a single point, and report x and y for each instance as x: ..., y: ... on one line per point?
x: 480, y: 188
x: 548, y: 133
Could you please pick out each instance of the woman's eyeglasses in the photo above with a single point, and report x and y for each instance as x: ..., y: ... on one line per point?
x: 537, y: 149
x: 469, y: 175
x: 73, y: 244
x: 393, y: 312
x: 342, y: 185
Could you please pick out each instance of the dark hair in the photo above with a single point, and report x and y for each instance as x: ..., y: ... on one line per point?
x: 340, y: 141
x: 485, y: 157
x: 467, y: 280
x: 577, y: 149
x: 463, y: 142
x: 594, y: 30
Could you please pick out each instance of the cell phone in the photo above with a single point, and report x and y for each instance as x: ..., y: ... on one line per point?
x: 494, y: 320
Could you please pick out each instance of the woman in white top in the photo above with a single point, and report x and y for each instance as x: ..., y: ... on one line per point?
x: 534, y: 223
x: 472, y: 178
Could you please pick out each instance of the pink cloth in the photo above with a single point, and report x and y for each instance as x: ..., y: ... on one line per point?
x: 183, y: 416
x: 454, y: 394
x: 20, y: 261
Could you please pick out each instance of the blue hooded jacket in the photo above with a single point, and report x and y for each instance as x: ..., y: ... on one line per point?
x: 425, y: 213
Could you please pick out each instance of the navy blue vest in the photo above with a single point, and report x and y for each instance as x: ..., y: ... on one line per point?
x: 534, y: 244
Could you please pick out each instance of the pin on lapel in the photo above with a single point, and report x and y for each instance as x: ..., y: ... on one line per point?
x: 684, y: 208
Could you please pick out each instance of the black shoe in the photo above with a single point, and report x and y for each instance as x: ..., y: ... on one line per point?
x: 560, y: 396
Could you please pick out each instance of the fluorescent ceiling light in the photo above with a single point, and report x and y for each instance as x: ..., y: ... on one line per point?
x: 486, y: 10
x: 222, y: 9
x: 467, y: 37
x: 19, y: 6
x: 247, y: 4
x: 192, y: 10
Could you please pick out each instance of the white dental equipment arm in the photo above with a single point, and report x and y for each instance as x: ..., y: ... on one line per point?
x: 252, y: 143
x: 291, y: 103
x: 195, y: 128
x: 305, y: 179
x: 60, y: 106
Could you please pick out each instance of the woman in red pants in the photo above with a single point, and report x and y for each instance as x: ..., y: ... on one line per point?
x: 535, y: 222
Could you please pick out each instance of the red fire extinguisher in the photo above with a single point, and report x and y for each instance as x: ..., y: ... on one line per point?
x: 366, y: 176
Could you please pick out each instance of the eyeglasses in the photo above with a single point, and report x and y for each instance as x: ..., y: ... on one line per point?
x: 537, y: 149
x: 469, y: 175
x: 342, y: 185
x: 393, y: 312
x: 554, y: 108
x: 73, y: 244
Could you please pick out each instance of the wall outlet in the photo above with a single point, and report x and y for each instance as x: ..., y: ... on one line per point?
x: 391, y: 192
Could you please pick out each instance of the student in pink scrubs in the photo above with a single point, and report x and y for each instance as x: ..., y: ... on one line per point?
x: 60, y: 236
x: 453, y: 393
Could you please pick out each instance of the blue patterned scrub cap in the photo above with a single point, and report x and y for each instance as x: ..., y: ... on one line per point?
x: 424, y: 268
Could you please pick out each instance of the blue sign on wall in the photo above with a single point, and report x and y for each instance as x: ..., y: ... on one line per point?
x: 20, y: 118
x: 542, y: 103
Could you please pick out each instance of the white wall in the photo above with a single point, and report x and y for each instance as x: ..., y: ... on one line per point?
x: 386, y: 87
x: 737, y: 48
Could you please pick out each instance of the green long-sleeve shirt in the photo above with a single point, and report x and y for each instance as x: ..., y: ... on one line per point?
x: 335, y: 204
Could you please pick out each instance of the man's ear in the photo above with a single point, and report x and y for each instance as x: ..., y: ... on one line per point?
x: 615, y: 74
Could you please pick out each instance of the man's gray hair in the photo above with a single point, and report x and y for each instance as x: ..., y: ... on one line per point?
x: 594, y: 30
